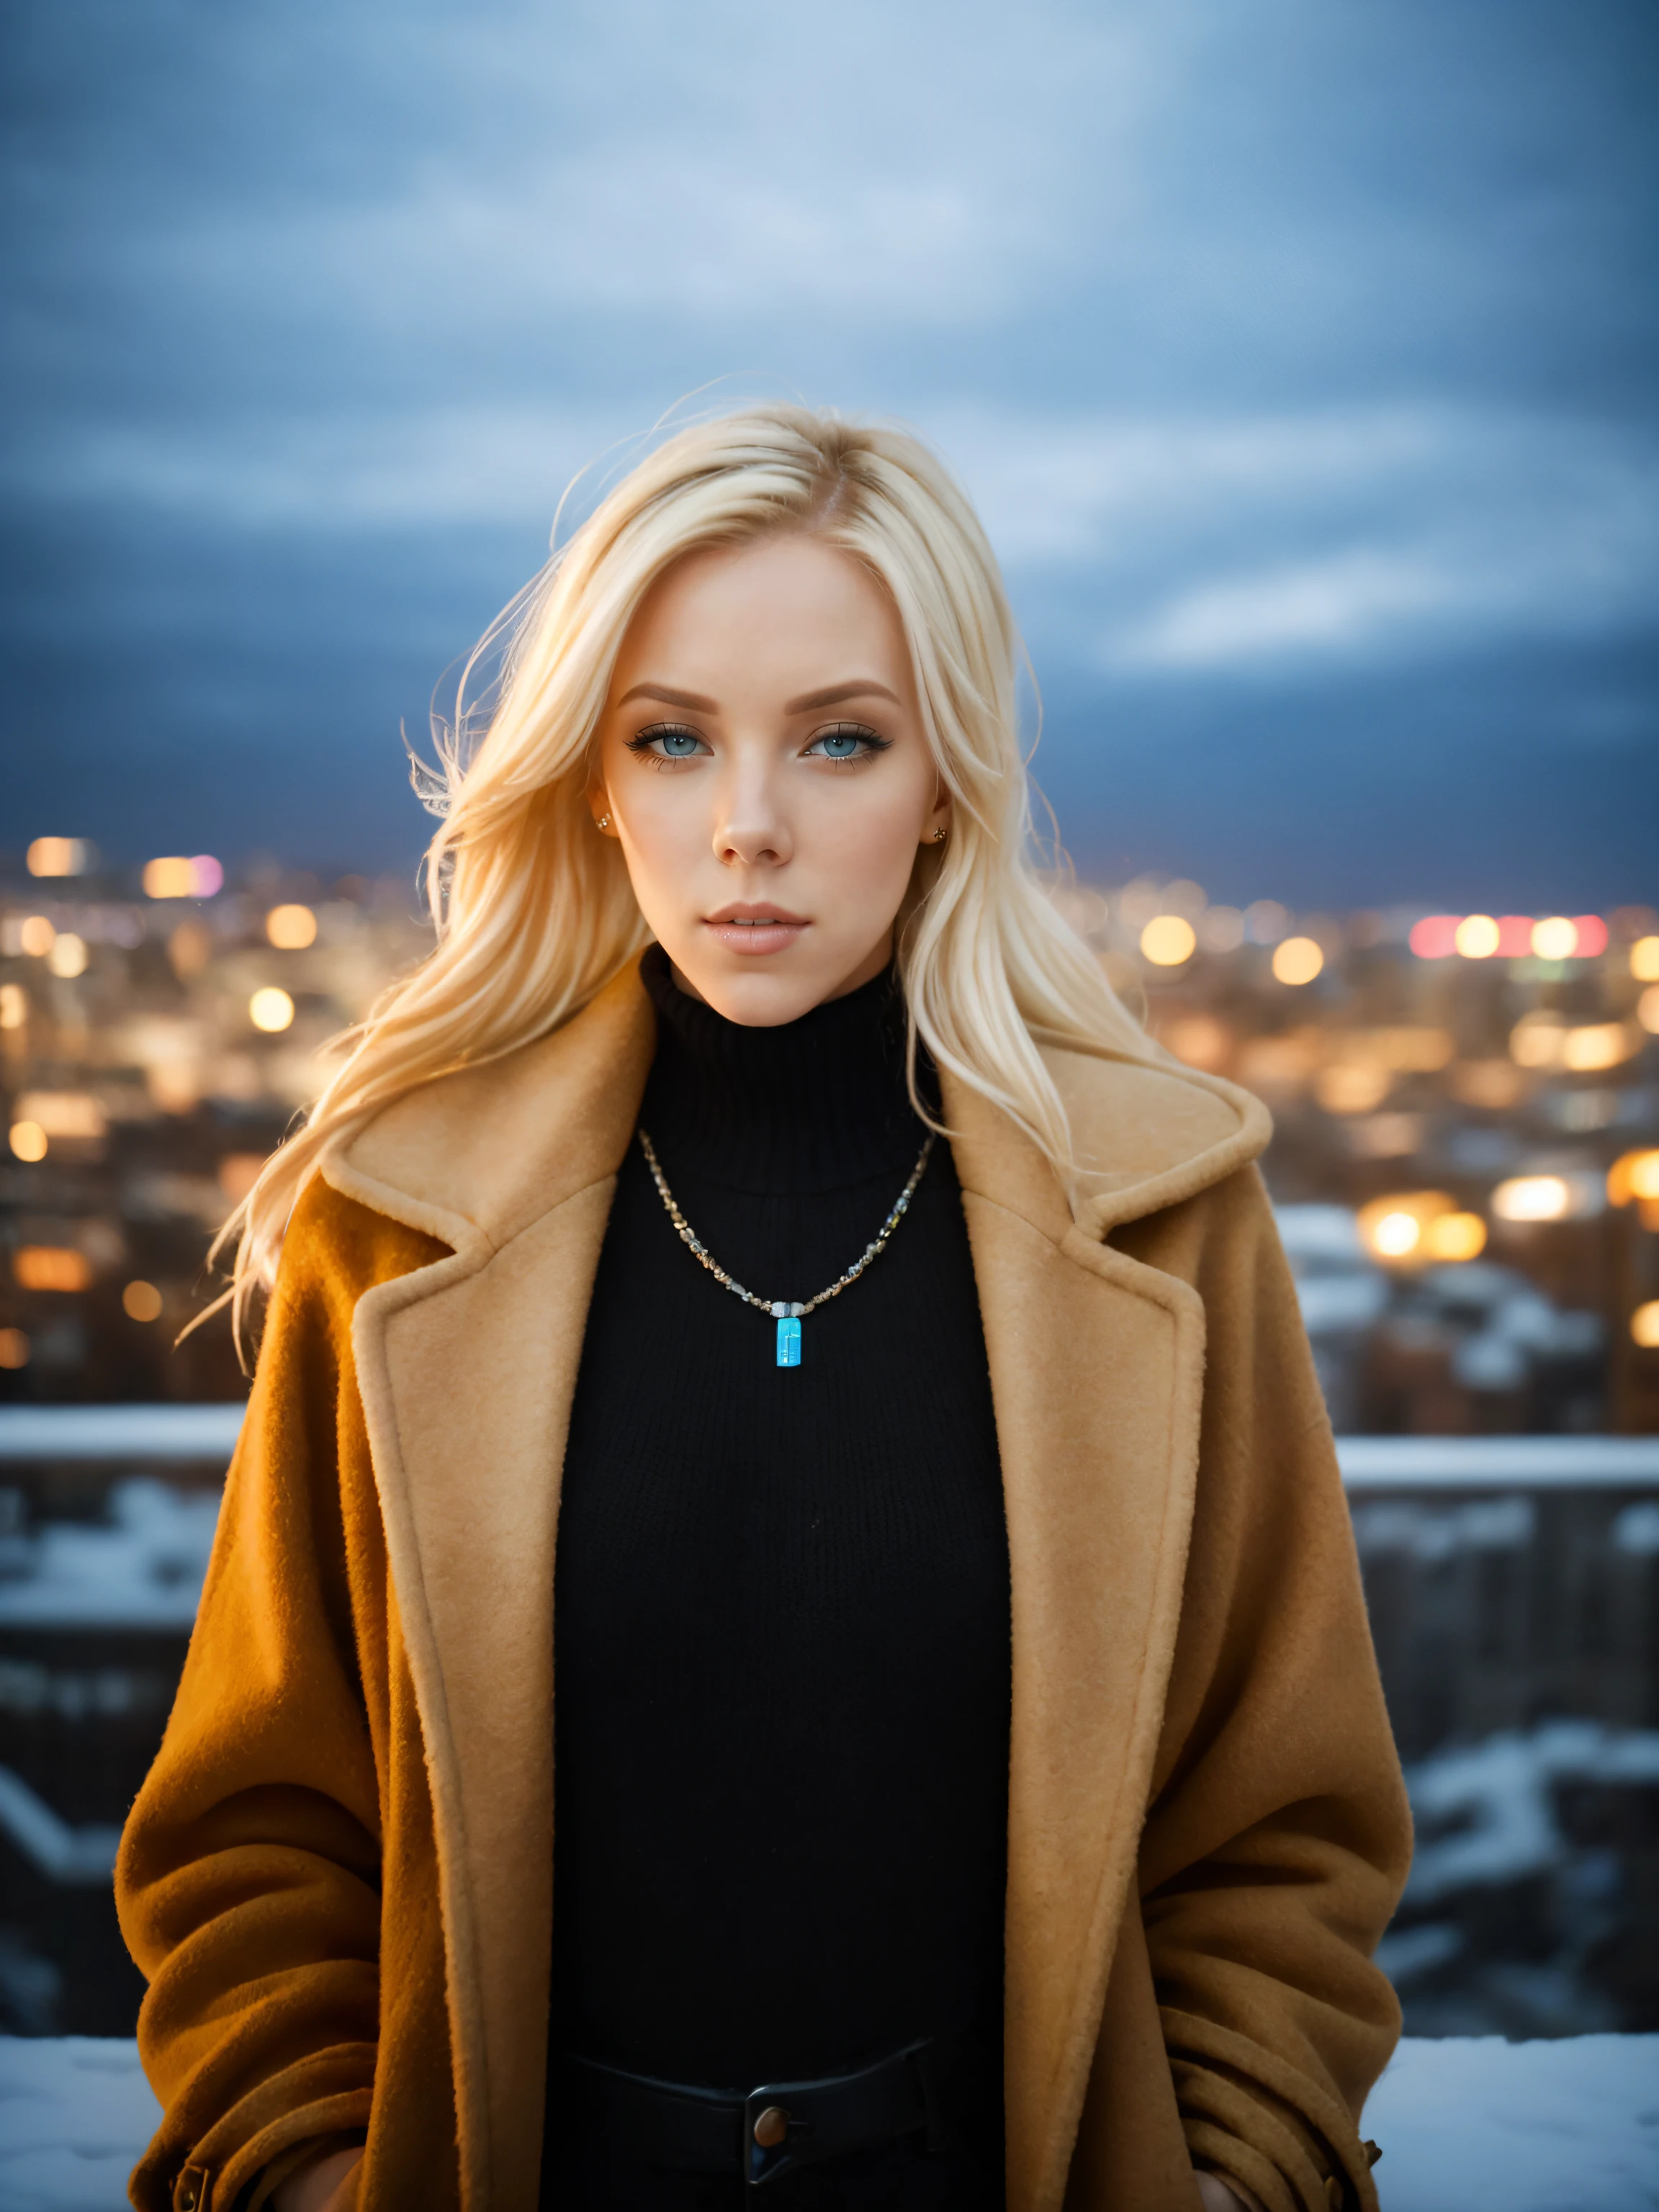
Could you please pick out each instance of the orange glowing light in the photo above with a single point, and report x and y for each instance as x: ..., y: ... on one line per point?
x: 141, y: 1301
x: 170, y: 878
x: 291, y: 928
x: 50, y: 1268
x: 1645, y: 960
x: 1167, y: 939
x: 1455, y: 1237
x: 1353, y: 1086
x: 175, y: 877
x: 27, y: 1140
x: 1633, y: 1175
x: 56, y: 856
x: 1297, y: 960
x: 1397, y: 1228
x: 1595, y: 1045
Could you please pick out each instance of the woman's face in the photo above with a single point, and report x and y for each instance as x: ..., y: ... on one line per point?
x: 762, y: 762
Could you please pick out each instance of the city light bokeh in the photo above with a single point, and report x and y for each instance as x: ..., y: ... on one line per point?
x: 1473, y: 1093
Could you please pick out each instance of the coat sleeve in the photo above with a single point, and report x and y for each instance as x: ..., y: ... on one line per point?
x: 1278, y: 1835
x: 248, y: 1882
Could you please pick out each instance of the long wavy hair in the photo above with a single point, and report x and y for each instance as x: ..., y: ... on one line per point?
x: 534, y: 911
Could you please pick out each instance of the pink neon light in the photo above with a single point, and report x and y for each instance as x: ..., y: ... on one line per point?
x: 1434, y: 937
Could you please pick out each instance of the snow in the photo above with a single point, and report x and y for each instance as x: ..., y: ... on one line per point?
x: 1482, y: 2126
x: 1496, y: 1798
x: 76, y: 2113
x: 1465, y: 2126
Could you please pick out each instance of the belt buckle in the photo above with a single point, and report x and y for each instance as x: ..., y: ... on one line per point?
x: 768, y: 2128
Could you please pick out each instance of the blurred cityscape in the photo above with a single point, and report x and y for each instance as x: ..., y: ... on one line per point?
x: 1466, y: 1160
x: 1466, y: 1172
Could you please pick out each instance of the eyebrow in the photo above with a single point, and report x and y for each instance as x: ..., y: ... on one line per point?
x: 692, y: 699
x: 809, y: 702
x: 859, y: 688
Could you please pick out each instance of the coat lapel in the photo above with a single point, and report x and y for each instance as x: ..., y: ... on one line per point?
x: 467, y: 1370
x: 1096, y: 1370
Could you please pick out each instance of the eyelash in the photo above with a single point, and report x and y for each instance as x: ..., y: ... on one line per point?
x: 867, y: 737
x: 645, y: 742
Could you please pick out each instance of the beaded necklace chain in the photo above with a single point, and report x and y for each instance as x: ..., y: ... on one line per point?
x: 788, y: 1313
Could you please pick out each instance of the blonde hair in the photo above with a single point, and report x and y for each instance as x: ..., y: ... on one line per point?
x: 535, y: 912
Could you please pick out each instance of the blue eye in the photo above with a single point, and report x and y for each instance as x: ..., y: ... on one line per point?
x: 668, y: 741
x: 847, y: 741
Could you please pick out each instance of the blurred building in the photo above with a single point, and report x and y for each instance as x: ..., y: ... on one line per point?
x: 1466, y: 1160
x: 158, y: 1031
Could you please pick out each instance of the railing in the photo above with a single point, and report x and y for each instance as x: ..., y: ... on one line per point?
x: 155, y: 1434
x: 1498, y: 1462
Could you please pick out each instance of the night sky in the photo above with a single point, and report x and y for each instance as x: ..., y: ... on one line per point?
x: 1304, y: 357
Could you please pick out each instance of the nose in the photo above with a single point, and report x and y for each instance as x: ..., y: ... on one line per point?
x: 749, y: 830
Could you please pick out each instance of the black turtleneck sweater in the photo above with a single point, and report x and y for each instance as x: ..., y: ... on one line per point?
x: 781, y: 1641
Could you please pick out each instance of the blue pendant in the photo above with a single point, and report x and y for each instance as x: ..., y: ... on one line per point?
x: 789, y: 1341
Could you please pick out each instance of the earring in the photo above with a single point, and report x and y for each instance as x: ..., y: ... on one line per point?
x: 603, y: 822
x: 939, y: 834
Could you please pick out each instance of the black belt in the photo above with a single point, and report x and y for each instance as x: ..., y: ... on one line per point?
x: 774, y: 2130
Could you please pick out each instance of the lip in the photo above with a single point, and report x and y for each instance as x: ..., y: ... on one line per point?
x: 756, y: 927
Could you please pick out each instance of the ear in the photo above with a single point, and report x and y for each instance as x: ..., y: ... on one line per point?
x: 598, y: 806
x: 936, y: 829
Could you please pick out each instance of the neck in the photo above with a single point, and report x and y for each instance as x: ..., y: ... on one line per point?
x: 813, y: 1105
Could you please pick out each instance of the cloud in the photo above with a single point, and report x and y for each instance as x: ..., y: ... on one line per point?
x: 1183, y: 545
x: 1357, y: 599
x: 339, y: 471
x: 1294, y: 346
x: 1369, y: 533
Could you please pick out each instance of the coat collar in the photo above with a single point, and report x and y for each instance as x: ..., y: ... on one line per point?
x: 467, y: 1370
x: 480, y: 1154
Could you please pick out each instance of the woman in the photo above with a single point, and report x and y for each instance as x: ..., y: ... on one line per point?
x: 972, y: 1775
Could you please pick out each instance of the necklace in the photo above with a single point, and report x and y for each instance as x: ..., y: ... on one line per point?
x: 788, y: 1313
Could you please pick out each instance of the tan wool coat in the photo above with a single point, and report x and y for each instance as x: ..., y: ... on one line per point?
x: 338, y: 1875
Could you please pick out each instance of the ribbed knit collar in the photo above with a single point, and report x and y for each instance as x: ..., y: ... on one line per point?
x: 811, y: 1105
